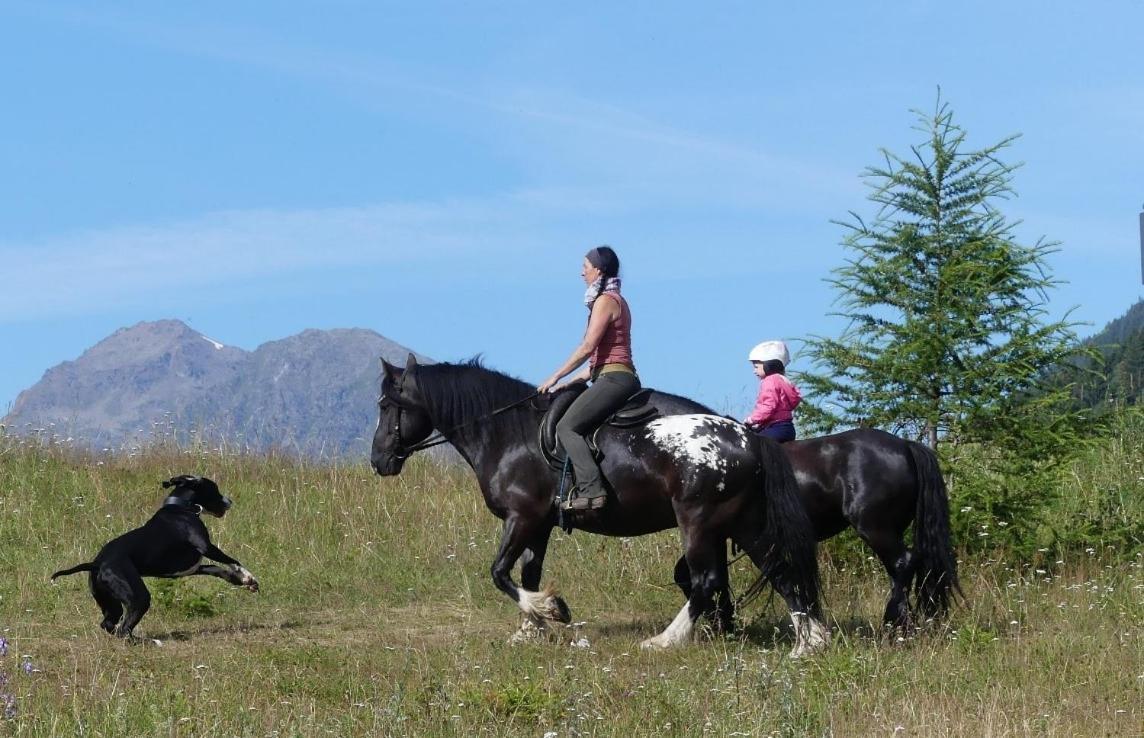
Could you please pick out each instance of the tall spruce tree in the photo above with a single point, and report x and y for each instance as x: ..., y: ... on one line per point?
x: 947, y: 336
x: 946, y: 309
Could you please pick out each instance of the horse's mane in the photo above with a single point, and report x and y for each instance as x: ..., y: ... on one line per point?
x: 468, y: 392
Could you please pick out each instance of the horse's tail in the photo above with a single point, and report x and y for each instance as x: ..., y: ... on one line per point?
x: 786, y: 551
x: 935, y: 579
x: 89, y: 566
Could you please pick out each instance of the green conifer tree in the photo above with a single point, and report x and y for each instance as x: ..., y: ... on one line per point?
x: 947, y: 336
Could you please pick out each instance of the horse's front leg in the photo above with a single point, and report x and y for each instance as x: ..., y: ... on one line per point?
x: 541, y: 607
x: 532, y: 560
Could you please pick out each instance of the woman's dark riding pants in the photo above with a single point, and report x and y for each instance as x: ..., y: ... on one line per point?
x: 606, y: 395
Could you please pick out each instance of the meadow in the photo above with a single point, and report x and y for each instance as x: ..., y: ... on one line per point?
x: 377, y: 617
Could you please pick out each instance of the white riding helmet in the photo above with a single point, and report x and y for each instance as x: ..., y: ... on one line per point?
x: 770, y: 351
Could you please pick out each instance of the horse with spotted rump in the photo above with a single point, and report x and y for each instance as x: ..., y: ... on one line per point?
x: 707, y: 474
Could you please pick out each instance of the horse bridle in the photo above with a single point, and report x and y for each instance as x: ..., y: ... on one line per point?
x: 436, y: 438
x: 398, y: 451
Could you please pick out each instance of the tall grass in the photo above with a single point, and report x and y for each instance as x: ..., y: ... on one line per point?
x: 377, y: 617
x: 1102, y: 500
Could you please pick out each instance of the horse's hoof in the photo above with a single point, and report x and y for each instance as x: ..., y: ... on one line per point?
x: 558, y: 610
x: 545, y: 605
x: 810, y: 646
x: 652, y: 644
x: 810, y: 635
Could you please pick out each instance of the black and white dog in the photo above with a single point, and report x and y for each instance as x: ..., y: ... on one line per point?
x: 173, y: 543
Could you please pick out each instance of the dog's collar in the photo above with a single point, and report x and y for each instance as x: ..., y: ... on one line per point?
x: 173, y: 501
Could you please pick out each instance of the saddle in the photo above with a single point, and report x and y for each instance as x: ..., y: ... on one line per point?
x: 635, y: 412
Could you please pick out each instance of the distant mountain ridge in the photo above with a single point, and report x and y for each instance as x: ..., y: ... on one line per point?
x: 1121, y: 329
x: 1117, y: 381
x: 314, y: 393
x: 1121, y: 379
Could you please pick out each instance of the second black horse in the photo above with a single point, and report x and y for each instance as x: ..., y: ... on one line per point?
x: 879, y: 485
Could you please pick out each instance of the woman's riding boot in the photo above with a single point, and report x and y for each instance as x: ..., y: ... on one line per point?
x: 592, y: 498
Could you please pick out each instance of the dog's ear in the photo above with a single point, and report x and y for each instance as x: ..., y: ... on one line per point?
x: 179, y: 481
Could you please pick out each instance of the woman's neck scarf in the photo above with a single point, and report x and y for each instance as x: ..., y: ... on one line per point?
x: 601, y: 285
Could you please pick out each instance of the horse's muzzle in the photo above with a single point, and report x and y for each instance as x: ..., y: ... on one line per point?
x: 387, y: 467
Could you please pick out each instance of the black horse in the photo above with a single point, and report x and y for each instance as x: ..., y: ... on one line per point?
x: 879, y: 485
x: 705, y: 473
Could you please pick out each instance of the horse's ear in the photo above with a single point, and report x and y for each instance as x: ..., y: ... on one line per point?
x: 387, y: 369
x: 410, y: 362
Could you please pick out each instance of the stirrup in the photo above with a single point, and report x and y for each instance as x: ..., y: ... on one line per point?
x: 579, y: 501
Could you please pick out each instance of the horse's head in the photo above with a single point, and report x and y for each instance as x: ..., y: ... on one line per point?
x: 402, y: 420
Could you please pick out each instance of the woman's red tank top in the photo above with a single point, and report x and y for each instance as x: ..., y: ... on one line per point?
x: 616, y: 345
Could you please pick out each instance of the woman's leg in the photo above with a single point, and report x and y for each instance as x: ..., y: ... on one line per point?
x: 606, y: 395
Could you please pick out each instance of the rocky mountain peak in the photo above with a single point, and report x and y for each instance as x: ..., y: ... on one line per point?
x: 312, y: 393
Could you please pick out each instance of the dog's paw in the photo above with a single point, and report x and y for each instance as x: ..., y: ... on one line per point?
x: 245, y: 578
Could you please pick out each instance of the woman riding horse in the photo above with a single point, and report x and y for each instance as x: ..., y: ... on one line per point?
x: 704, y: 473
x: 607, y: 345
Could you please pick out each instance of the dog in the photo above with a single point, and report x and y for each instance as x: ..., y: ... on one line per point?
x: 173, y: 543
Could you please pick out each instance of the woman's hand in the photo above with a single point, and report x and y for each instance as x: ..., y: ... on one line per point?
x: 548, y: 385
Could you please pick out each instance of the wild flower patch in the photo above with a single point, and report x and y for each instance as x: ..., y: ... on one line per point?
x: 9, y: 685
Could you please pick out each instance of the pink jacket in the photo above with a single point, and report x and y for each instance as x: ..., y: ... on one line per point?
x: 777, y: 398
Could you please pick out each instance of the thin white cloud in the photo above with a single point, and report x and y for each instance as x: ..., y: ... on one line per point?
x: 75, y: 272
x: 626, y: 126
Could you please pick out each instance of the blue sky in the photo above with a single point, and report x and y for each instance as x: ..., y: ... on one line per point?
x: 435, y: 172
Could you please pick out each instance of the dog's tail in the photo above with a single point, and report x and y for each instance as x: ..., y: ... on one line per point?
x: 89, y: 566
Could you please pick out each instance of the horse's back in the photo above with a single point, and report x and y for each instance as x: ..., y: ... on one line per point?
x: 669, y: 404
x: 859, y: 478
x: 685, y: 448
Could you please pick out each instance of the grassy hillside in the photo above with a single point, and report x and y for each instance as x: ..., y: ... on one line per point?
x: 377, y: 617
